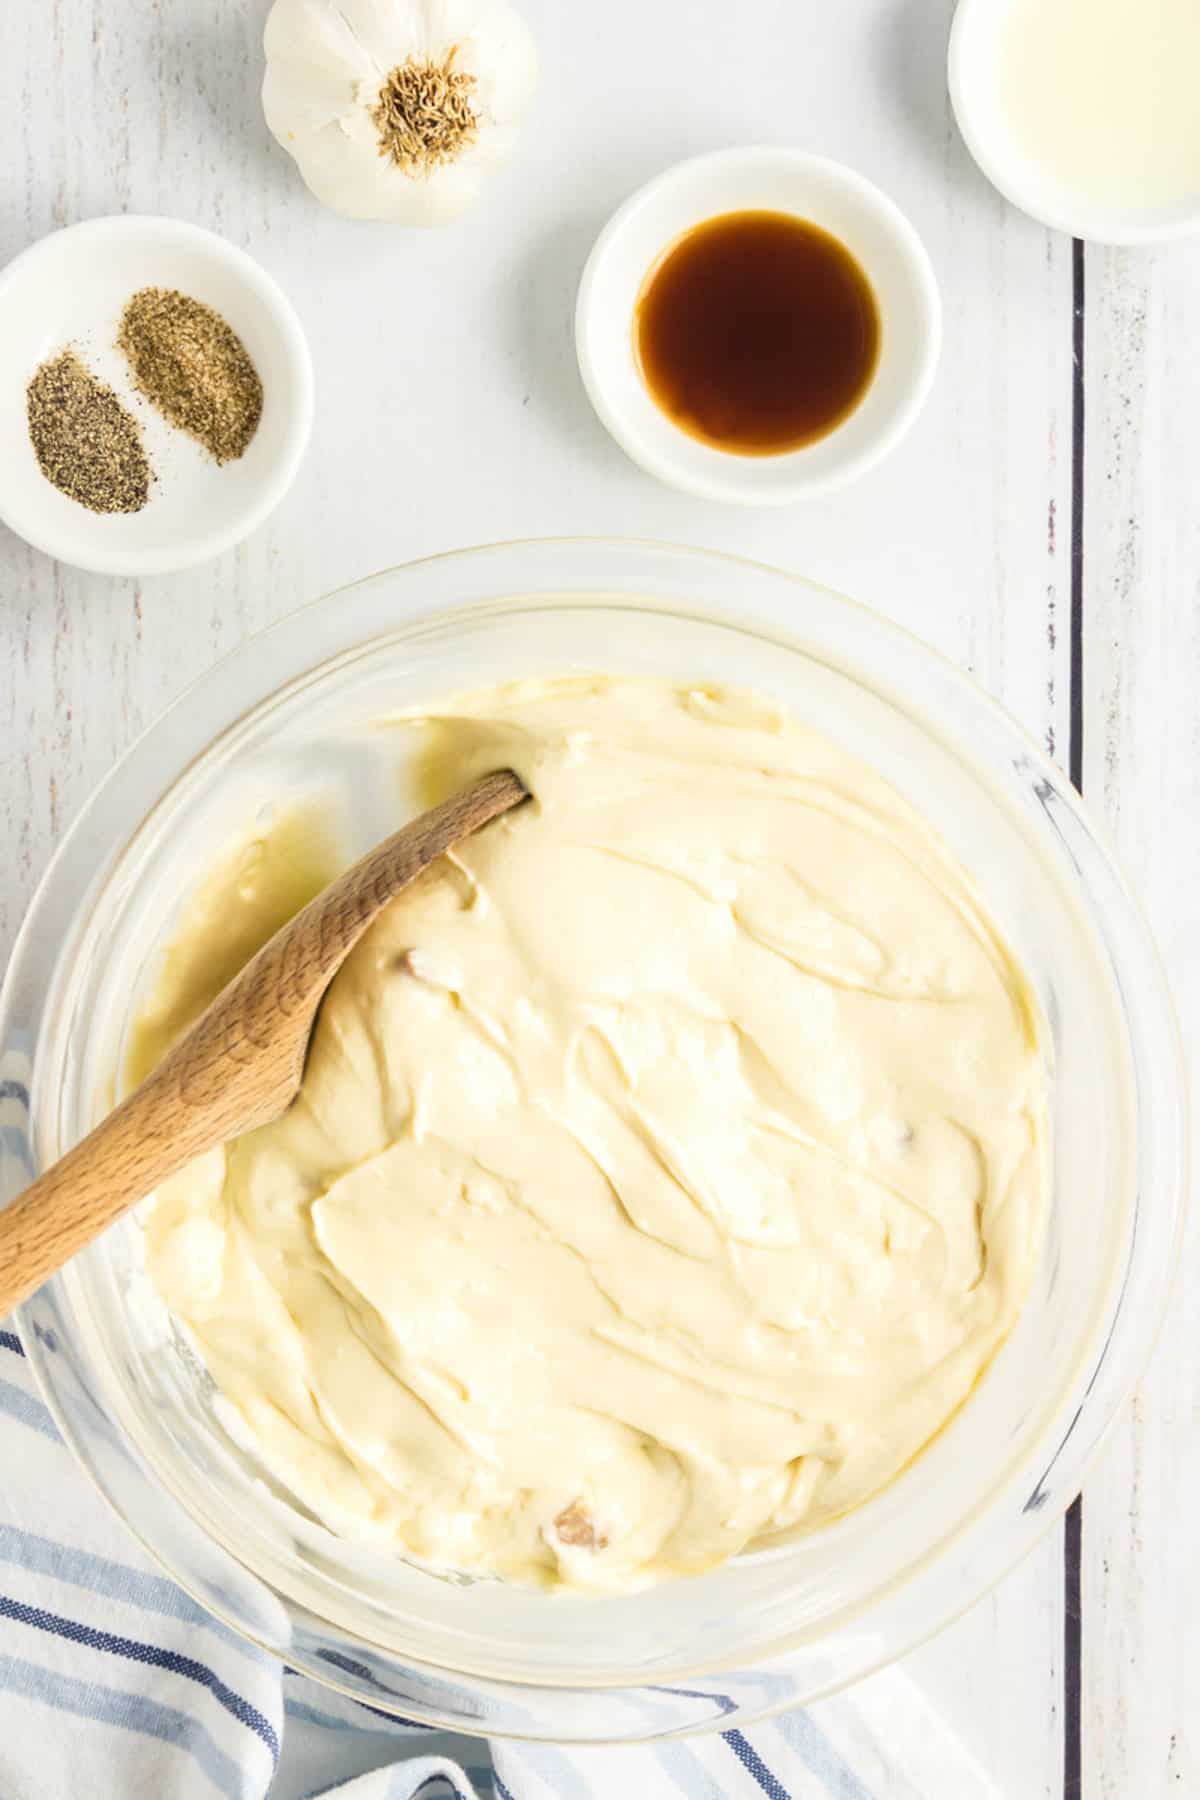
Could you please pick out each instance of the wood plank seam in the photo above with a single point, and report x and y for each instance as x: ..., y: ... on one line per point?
x: 1073, y: 1524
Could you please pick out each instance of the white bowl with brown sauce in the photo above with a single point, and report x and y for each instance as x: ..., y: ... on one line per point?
x: 758, y: 325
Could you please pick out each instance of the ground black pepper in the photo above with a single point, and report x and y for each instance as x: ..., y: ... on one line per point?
x: 84, y: 440
x: 193, y: 367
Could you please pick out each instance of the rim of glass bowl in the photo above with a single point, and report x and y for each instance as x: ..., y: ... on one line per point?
x: 871, y: 649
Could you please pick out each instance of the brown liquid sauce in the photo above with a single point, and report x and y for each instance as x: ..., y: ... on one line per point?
x: 757, y: 333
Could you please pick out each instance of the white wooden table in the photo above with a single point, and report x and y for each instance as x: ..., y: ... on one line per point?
x: 1041, y: 526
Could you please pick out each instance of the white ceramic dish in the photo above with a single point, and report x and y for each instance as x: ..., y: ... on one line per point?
x: 974, y: 51
x: 70, y: 288
x: 783, y: 180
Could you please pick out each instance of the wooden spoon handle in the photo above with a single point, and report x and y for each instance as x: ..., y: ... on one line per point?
x: 244, y: 1058
x: 140, y: 1144
x: 239, y: 1065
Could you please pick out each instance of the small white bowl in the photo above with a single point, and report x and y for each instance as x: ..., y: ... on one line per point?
x: 811, y: 187
x: 70, y: 289
x: 972, y: 59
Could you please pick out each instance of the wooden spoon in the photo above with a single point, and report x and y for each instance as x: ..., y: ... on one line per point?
x: 241, y: 1063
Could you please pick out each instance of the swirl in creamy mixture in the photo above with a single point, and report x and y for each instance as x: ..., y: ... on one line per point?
x: 668, y: 1164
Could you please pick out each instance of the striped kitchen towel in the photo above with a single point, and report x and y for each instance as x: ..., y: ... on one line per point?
x: 115, y: 1686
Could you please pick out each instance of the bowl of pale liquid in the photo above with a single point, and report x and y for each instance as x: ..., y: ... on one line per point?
x: 1084, y: 112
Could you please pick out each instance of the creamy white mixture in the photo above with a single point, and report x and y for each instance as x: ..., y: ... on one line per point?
x: 668, y: 1164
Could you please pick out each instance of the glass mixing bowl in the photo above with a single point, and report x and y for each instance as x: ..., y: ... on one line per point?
x: 777, y: 1627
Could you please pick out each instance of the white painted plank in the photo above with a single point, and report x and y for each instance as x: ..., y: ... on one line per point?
x: 1141, y: 1593
x: 449, y: 411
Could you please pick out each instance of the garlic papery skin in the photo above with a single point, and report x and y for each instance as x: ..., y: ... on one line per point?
x: 397, y: 109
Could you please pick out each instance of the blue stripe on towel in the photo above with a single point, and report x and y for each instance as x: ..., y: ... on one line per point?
x: 10, y: 1341
x: 722, y: 1702
x: 152, y: 1655
x: 377, y: 1712
x: 300, y: 1709
x: 14, y: 1143
x: 399, y: 1783
x: 19, y: 1405
x: 113, y: 1706
x: 754, y: 1765
x: 349, y: 1666
x: 555, y: 1768
x: 15, y: 1090
x: 682, y: 1766
x: 815, y: 1749
x: 310, y: 1715
x: 115, y: 1580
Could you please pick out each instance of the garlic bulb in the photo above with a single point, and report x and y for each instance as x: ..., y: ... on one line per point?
x: 397, y: 109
